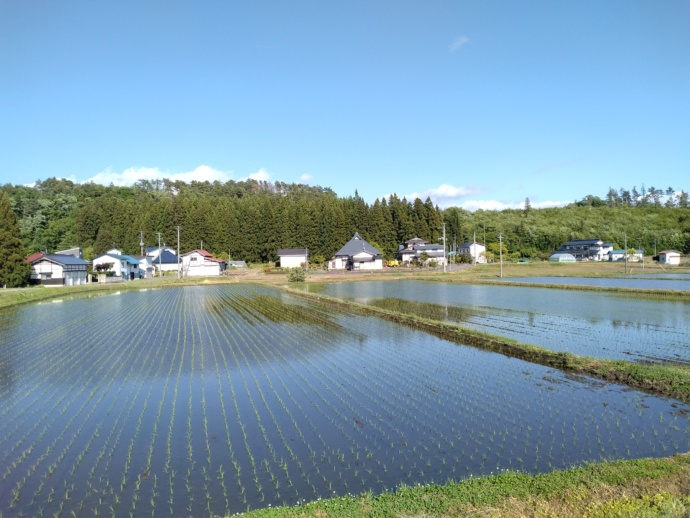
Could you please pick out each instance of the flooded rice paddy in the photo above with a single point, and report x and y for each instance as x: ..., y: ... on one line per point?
x: 587, y: 323
x: 654, y: 281
x: 201, y: 400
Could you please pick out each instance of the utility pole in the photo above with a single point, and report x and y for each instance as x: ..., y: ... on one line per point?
x: 160, y: 272
x: 178, y: 251
x: 625, y: 244
x: 445, y: 259
x: 141, y: 241
x: 474, y: 250
x: 500, y: 251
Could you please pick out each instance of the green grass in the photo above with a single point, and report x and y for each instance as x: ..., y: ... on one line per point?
x: 655, y: 487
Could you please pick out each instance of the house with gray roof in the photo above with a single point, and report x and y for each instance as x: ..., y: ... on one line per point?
x: 586, y: 249
x: 59, y: 270
x: 357, y: 254
x: 413, y: 249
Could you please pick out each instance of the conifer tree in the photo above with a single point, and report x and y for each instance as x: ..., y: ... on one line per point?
x: 14, y: 270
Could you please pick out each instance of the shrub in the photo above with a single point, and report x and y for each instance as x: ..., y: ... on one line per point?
x: 296, y: 275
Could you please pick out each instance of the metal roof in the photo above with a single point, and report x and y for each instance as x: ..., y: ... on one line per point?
x: 128, y: 258
x: 65, y: 259
x: 355, y: 246
x: 292, y: 251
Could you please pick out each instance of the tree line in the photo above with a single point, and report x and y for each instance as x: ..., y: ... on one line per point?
x: 250, y: 220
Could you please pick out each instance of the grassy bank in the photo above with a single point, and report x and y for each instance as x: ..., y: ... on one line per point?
x: 667, y: 380
x: 644, y: 487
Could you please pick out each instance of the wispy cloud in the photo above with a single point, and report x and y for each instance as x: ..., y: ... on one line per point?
x: 306, y: 177
x: 129, y: 176
x: 457, y: 43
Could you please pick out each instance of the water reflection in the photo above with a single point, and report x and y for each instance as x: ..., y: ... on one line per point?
x: 597, y: 324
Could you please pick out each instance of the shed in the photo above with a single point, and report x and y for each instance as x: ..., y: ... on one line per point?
x: 669, y: 257
x: 293, y: 257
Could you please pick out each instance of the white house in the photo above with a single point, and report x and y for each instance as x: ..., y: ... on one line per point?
x: 123, y: 266
x: 293, y: 257
x: 587, y: 250
x: 669, y: 257
x: 413, y: 249
x: 146, y: 269
x: 200, y: 263
x: 476, y: 250
x: 357, y: 254
x: 58, y: 270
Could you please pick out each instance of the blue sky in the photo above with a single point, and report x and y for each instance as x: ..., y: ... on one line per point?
x: 477, y: 104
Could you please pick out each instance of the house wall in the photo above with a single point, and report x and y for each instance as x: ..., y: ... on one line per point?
x: 58, y: 275
x: 292, y: 261
x: 669, y: 259
x: 337, y: 263
x: 196, y: 265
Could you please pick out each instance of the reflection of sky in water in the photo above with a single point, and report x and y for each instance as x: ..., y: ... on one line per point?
x: 202, y: 379
x: 636, y: 283
x: 596, y: 324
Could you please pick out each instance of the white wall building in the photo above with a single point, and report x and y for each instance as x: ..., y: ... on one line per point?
x: 59, y: 270
x: 200, y: 263
x: 293, y: 257
x: 357, y: 254
x: 123, y: 266
x: 669, y: 257
x: 475, y: 250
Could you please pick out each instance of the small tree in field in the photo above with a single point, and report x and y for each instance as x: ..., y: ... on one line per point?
x: 296, y: 275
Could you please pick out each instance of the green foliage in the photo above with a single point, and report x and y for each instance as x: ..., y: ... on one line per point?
x: 251, y: 220
x: 14, y: 270
x: 297, y: 275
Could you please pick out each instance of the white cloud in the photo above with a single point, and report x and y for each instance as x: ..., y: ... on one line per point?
x: 306, y: 177
x: 260, y: 175
x: 457, y: 43
x: 127, y: 177
x: 444, y: 195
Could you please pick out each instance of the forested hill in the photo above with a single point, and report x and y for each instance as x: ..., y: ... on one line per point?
x: 251, y: 220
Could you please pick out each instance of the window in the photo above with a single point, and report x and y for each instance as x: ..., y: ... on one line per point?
x: 46, y: 276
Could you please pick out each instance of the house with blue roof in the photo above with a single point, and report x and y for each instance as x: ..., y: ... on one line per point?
x: 123, y: 266
x: 163, y: 259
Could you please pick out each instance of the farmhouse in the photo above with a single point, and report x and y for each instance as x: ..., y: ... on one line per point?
x: 413, y: 249
x: 586, y: 249
x: 200, y: 263
x: 123, y: 266
x: 357, y: 254
x: 293, y: 257
x: 669, y: 257
x: 475, y: 250
x: 58, y: 269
